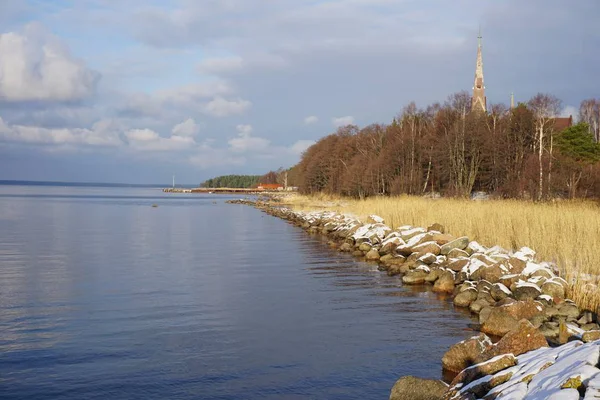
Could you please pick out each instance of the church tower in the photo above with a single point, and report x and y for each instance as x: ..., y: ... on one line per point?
x: 478, y: 101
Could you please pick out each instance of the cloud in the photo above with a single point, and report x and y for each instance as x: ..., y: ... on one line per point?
x: 189, y: 127
x: 301, y: 145
x: 220, y: 107
x: 311, y: 120
x: 101, y: 134
x: 36, y: 66
x: 219, y: 65
x: 342, y: 121
x: 245, y: 142
x: 570, y: 111
x: 148, y: 140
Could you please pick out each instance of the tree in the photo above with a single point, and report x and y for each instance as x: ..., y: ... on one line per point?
x: 589, y: 112
x: 579, y: 150
x: 545, y: 107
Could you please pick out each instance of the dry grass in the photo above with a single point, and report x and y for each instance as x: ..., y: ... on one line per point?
x: 565, y: 232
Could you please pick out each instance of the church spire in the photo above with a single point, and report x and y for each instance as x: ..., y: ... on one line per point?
x: 479, y: 100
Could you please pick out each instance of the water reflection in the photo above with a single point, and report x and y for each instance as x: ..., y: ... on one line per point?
x: 102, y: 295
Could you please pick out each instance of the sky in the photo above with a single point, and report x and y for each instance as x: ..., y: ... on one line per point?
x: 137, y: 91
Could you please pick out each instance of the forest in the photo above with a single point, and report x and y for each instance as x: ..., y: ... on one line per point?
x: 445, y: 149
x: 242, y: 181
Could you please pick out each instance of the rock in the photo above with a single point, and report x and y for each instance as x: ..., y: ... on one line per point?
x: 436, y: 227
x: 500, y: 292
x: 586, y: 318
x: 465, y: 298
x: 460, y: 243
x: 385, y: 258
x: 442, y: 238
x: 397, y: 269
x: 538, y: 320
x: 522, y: 338
x: 427, y: 247
x: 375, y: 219
x: 411, y: 388
x: 445, y: 283
x: 553, y: 289
x: 478, y: 305
x: 526, y: 290
x: 590, y: 327
x: 466, y: 353
x: 433, y: 276
x: 568, y: 310
x: 357, y: 253
x: 346, y: 247
x: 457, y: 264
x: 457, y: 253
x: 480, y: 370
x: 517, y: 265
x: 549, y: 330
x: 590, y: 336
x: 509, y: 280
x: 492, y: 273
x: 504, y: 318
x: 372, y: 255
x: 427, y: 258
x: 416, y: 277
x: 365, y: 247
x: 543, y: 272
x: 484, y: 314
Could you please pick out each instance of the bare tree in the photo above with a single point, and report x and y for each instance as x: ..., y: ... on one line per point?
x: 589, y: 112
x: 545, y: 107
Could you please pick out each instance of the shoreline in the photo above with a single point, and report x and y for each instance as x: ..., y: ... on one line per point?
x: 520, y: 303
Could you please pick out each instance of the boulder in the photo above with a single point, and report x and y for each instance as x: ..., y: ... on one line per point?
x: 427, y: 247
x: 372, y: 255
x: 492, y: 273
x: 412, y: 388
x: 517, y: 265
x: 460, y: 243
x: 445, y: 283
x: 442, y: 238
x: 457, y: 253
x: 465, y: 298
x: 526, y: 290
x: 522, y: 338
x: 398, y: 269
x: 590, y: 336
x: 365, y: 247
x: 433, y: 276
x: 416, y: 277
x: 466, y: 353
x: 427, y: 258
x: 457, y: 264
x: 504, y: 318
x: 509, y: 280
x: 590, y: 327
x: 437, y: 227
x: 480, y: 370
x: 500, y: 292
x: 549, y: 330
x: 484, y: 314
x: 568, y: 310
x: 553, y: 289
x: 478, y: 305
x: 346, y: 247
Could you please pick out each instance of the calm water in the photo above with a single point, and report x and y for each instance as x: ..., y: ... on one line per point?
x: 104, y: 297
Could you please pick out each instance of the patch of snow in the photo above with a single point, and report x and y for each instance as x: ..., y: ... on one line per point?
x: 376, y: 218
x: 503, y: 288
x: 476, y: 247
x: 521, y: 283
x: 473, y: 266
x: 423, y: 268
x: 546, y: 297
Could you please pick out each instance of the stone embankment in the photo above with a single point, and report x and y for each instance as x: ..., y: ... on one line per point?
x: 545, y: 347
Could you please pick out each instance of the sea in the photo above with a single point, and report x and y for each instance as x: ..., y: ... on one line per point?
x: 132, y: 293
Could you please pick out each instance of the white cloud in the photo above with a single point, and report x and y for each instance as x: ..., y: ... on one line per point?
x: 342, y: 121
x: 220, y: 107
x: 101, y: 134
x: 300, y: 146
x: 245, y: 142
x: 189, y: 127
x: 311, y: 120
x: 218, y: 65
x: 36, y: 66
x: 570, y: 111
x: 148, y: 140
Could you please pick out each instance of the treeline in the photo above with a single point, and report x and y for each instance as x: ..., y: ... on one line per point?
x: 447, y: 149
x: 232, y: 181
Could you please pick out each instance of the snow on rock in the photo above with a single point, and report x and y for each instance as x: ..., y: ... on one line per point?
x: 532, y: 267
x: 473, y: 266
x: 375, y: 219
x: 475, y: 247
x: 525, y: 254
x: 550, y: 373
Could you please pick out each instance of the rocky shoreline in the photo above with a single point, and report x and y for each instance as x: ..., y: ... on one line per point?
x: 534, y: 342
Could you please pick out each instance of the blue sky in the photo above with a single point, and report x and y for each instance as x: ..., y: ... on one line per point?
x: 135, y: 91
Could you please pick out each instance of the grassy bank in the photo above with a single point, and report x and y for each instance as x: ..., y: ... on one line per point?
x: 565, y: 232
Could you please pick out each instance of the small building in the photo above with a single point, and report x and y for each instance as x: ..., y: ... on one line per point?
x: 562, y: 123
x: 269, y: 186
